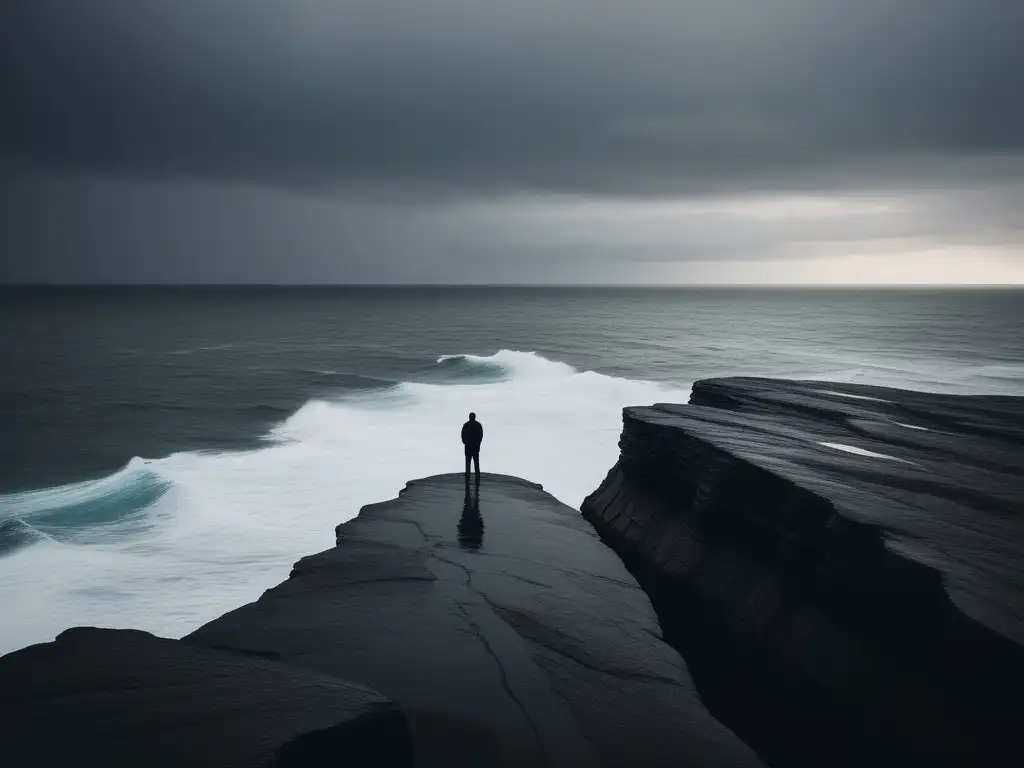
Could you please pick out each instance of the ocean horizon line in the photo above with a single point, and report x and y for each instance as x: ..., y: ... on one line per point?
x: 16, y: 286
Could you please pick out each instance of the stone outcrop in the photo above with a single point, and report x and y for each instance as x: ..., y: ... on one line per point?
x: 842, y: 566
x: 100, y: 698
x: 491, y: 614
x: 502, y: 626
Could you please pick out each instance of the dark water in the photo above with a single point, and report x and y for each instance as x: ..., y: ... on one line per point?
x: 168, y: 454
x: 93, y: 377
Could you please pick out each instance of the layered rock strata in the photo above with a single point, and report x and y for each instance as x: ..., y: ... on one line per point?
x: 842, y: 566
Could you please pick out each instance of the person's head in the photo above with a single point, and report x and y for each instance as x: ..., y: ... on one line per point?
x: 472, y: 417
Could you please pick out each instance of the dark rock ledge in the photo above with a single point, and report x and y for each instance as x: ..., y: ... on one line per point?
x: 497, y: 621
x: 842, y: 566
x: 502, y: 626
x: 117, y: 697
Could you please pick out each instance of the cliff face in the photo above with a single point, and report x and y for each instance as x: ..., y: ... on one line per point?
x: 841, y: 566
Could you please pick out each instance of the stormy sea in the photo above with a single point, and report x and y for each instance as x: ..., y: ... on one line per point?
x: 168, y: 453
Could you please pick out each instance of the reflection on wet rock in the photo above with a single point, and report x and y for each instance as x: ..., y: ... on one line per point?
x: 471, y: 524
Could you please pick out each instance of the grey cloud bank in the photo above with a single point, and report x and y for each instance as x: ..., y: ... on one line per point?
x: 397, y: 140
x: 572, y: 96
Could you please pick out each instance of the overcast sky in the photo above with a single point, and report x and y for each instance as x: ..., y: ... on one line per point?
x: 512, y: 141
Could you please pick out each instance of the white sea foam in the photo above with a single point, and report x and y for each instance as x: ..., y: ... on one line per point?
x: 190, y: 536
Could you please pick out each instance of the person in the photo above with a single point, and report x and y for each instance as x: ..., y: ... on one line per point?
x: 472, y: 436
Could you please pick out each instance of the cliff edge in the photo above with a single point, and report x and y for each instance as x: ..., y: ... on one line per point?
x: 501, y: 625
x: 842, y: 566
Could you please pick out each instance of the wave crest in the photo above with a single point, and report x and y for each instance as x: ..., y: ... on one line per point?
x: 505, y: 363
x: 106, y: 500
x: 464, y: 369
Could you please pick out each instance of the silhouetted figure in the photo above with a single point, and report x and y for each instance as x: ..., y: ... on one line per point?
x: 471, y: 524
x: 472, y: 436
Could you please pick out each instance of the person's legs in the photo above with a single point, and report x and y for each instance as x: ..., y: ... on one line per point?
x: 476, y: 463
x: 467, y: 464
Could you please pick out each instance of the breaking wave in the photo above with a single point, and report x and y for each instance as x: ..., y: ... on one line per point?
x: 107, y: 500
x: 166, y: 544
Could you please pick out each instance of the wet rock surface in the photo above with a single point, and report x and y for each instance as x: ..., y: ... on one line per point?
x: 502, y: 626
x: 842, y: 566
x: 99, y: 697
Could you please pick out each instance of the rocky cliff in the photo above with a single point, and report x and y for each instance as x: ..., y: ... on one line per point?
x: 502, y: 626
x: 492, y: 615
x: 842, y: 566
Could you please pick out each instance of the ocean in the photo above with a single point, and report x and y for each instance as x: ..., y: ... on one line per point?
x: 166, y: 454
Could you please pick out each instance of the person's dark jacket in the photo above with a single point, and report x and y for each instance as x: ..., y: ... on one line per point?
x: 472, y: 435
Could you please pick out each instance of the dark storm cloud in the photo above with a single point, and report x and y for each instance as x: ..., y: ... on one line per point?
x: 589, y: 96
x: 96, y: 229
